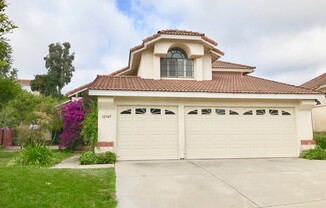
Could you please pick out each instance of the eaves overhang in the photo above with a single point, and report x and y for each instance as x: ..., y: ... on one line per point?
x: 122, y: 93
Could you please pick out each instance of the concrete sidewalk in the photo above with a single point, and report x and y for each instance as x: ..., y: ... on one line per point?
x: 73, y: 163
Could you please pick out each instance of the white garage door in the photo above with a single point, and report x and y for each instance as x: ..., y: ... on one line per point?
x: 240, y: 132
x: 146, y: 133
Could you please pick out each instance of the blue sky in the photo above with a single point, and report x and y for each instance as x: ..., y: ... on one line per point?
x: 285, y: 40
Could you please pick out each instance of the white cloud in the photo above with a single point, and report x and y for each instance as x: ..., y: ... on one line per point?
x: 96, y: 31
x: 284, y: 39
x: 283, y: 57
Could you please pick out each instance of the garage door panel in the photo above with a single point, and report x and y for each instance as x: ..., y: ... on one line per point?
x: 155, y: 154
x: 147, y: 136
x: 143, y: 146
x: 232, y: 136
x: 243, y: 152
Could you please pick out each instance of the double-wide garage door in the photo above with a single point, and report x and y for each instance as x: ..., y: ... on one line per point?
x: 240, y: 133
x: 146, y: 133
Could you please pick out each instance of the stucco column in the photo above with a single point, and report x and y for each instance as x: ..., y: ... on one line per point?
x: 156, y: 67
x: 106, y: 124
x: 181, y: 133
x: 304, y: 124
x: 198, y: 69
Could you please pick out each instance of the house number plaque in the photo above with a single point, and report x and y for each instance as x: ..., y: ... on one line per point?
x: 106, y: 116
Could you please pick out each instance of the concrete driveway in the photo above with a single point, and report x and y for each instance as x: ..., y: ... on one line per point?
x: 277, y: 183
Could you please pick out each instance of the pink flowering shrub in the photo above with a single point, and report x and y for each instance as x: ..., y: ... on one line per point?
x: 73, y: 115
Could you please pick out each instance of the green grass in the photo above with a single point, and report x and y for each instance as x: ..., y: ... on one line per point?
x: 43, y: 187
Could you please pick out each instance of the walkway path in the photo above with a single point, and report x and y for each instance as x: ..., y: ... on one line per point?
x: 73, y: 163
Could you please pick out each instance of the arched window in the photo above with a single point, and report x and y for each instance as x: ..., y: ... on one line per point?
x: 176, y: 53
x: 177, y: 64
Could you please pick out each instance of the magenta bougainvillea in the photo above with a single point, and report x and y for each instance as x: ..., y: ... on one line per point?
x: 73, y: 115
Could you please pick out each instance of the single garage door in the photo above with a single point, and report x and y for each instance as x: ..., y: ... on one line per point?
x: 147, y: 133
x: 240, y: 132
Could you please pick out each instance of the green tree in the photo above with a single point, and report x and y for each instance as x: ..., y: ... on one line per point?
x: 59, y: 64
x: 60, y: 70
x: 24, y: 105
x: 9, y: 89
x: 6, y: 69
x: 30, y: 109
x: 6, y: 26
x: 45, y: 85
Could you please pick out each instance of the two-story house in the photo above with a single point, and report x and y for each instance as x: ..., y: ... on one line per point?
x: 176, y: 100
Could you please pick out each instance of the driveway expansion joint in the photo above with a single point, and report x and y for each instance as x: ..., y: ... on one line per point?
x: 288, y: 204
x: 229, y: 185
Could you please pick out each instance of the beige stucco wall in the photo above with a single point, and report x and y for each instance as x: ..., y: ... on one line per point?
x: 304, y: 122
x: 107, y: 118
x: 106, y: 122
x: 193, y: 49
x: 146, y: 65
x: 207, y: 67
x: 149, y: 66
x: 319, y: 118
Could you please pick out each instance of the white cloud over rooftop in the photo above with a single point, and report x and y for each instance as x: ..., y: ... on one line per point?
x: 284, y: 39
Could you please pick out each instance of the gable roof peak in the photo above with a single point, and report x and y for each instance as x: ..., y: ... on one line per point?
x: 316, y: 82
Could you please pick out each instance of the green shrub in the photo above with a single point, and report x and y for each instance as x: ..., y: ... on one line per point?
x: 35, y: 155
x: 108, y: 158
x: 314, y: 154
x: 24, y: 136
x: 89, y: 131
x: 89, y: 158
x: 321, y: 140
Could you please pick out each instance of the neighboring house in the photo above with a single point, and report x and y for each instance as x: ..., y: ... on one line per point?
x: 319, y: 111
x: 176, y: 100
x: 26, y: 85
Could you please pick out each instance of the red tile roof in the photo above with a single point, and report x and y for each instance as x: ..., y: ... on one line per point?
x: 228, y: 65
x: 186, y: 32
x: 177, y: 32
x: 316, y: 82
x: 24, y: 81
x: 221, y: 83
x: 216, y: 64
x: 181, y: 32
x: 85, y: 86
x: 120, y: 70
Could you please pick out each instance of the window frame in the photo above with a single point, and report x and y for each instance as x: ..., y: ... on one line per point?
x: 180, y: 67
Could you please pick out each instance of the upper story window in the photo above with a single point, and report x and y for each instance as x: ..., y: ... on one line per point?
x: 177, y: 64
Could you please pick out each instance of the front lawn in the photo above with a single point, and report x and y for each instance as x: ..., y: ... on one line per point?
x: 43, y: 187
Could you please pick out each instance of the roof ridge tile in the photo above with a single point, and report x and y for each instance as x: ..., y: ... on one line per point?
x: 230, y: 63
